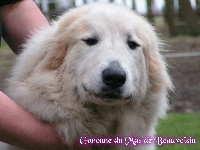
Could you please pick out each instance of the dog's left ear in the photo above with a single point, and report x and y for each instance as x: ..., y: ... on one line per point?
x: 159, y: 78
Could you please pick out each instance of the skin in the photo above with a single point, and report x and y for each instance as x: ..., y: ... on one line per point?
x: 19, y: 20
x: 18, y: 127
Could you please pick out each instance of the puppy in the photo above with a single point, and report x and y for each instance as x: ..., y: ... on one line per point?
x: 95, y: 72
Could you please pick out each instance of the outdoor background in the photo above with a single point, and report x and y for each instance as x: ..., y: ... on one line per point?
x: 178, y: 24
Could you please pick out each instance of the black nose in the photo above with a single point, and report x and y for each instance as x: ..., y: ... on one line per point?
x: 114, y: 77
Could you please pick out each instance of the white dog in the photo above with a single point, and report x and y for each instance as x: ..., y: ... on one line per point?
x: 95, y: 72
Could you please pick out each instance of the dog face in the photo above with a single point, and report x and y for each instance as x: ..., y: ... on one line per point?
x: 105, y: 52
x: 113, y: 67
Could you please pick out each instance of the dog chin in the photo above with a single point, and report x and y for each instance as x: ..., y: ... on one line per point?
x: 106, y: 96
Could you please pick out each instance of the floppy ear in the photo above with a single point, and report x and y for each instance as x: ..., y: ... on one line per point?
x: 63, y: 39
x: 56, y: 57
x: 159, y: 78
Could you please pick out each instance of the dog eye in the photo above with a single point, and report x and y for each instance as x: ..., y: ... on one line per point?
x: 90, y: 41
x: 132, y: 44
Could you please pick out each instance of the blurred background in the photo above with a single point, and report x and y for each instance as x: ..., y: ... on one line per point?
x: 178, y: 24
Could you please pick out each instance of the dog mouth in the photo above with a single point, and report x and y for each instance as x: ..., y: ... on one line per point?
x: 108, y: 94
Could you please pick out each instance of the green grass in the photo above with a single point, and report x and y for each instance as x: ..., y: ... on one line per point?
x: 3, y: 43
x: 6, y: 58
x: 4, y: 49
x: 179, y: 126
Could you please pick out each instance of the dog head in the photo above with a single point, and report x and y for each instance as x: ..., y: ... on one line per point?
x: 109, y: 54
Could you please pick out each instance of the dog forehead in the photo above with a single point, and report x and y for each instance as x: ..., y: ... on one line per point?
x: 106, y: 18
x: 99, y: 19
x: 111, y: 13
x: 100, y: 15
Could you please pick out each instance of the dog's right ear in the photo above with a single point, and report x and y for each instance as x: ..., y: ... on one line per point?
x: 62, y: 40
x: 56, y: 58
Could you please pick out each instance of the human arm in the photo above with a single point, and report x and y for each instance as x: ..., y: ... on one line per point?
x: 20, y: 128
x: 19, y: 20
x: 17, y: 126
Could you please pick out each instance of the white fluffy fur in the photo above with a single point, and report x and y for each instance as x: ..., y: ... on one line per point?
x: 49, y: 75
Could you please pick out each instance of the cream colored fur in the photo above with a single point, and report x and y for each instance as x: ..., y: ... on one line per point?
x: 49, y: 75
